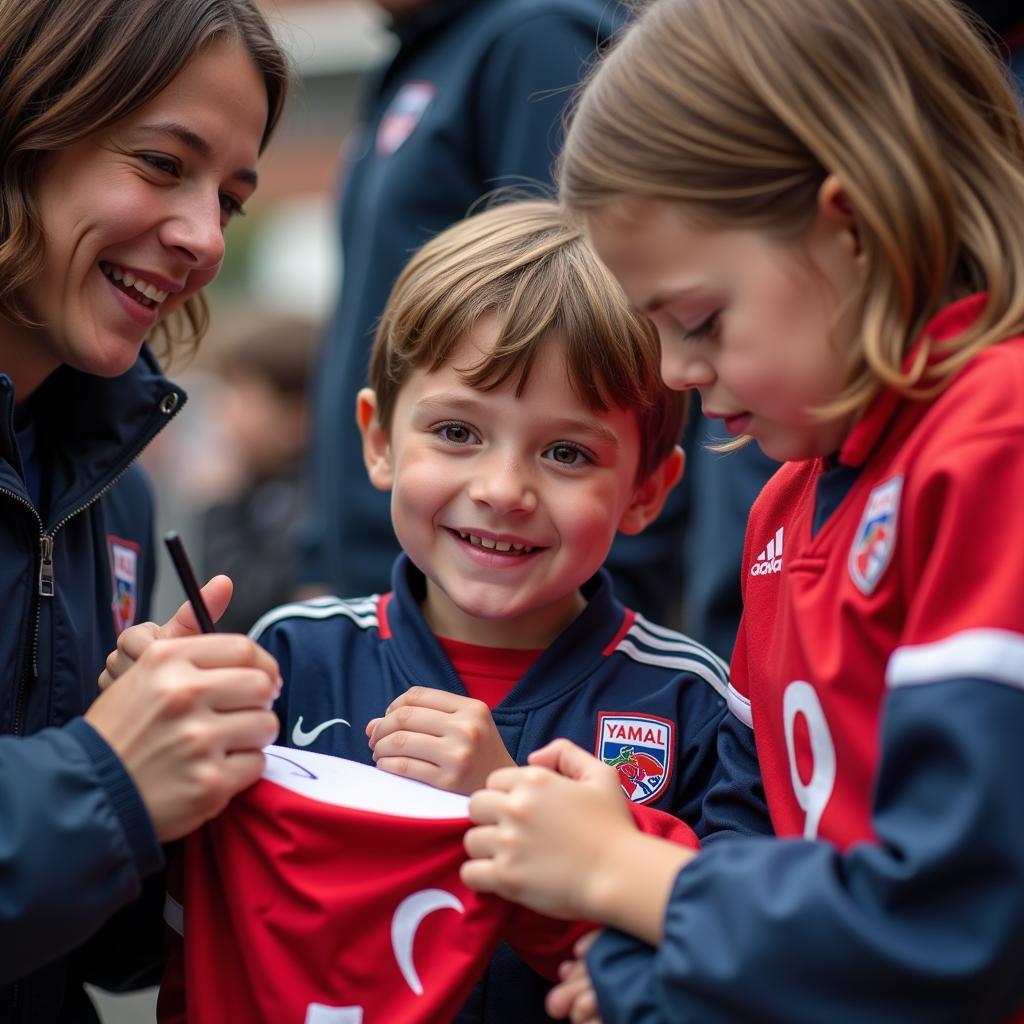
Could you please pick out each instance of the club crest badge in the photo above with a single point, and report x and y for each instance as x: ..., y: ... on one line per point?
x: 124, y: 572
x: 402, y: 116
x: 639, y: 748
x: 876, y: 535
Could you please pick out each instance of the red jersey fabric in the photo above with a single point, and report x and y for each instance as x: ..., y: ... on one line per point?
x: 823, y: 637
x: 329, y: 893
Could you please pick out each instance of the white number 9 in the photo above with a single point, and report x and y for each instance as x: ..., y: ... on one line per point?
x: 800, y: 698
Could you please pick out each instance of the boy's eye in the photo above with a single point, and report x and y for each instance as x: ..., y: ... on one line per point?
x: 455, y: 433
x: 567, y: 455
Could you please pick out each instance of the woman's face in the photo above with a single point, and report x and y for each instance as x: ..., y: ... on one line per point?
x: 133, y: 218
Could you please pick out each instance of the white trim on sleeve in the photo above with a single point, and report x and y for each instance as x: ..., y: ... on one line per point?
x: 995, y: 654
x: 739, y: 706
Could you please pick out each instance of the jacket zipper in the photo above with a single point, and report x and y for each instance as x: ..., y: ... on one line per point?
x: 46, y: 583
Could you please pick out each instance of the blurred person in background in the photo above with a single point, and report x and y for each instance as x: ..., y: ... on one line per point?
x: 473, y: 101
x: 259, y: 403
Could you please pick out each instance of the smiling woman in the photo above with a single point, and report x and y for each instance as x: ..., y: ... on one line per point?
x: 133, y: 215
x: 130, y: 131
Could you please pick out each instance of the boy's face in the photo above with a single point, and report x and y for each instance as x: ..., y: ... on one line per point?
x: 507, y: 504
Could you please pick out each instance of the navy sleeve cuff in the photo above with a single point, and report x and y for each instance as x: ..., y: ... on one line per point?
x: 124, y: 797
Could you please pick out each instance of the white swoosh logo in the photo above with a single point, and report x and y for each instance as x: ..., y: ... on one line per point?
x: 408, y: 916
x: 303, y: 739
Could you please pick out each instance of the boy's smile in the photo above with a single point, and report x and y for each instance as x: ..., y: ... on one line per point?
x: 507, y: 504
x: 497, y: 545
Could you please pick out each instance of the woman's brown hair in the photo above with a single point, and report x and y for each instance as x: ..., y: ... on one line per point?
x: 527, y: 265
x: 742, y: 108
x: 72, y: 67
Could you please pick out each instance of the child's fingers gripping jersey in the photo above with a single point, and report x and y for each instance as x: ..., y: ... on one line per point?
x: 441, y: 738
x: 537, y: 829
x: 567, y: 845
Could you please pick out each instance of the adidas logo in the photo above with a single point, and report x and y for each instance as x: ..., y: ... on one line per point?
x: 770, y: 560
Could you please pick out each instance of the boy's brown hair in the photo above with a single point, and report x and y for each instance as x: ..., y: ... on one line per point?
x: 527, y: 264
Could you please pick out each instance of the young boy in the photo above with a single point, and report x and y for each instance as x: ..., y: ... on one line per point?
x: 517, y: 416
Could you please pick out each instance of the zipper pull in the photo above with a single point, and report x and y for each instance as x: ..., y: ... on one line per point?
x: 46, y: 566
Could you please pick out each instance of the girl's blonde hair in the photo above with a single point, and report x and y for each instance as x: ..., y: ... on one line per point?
x: 743, y: 107
x: 528, y: 265
x: 72, y: 67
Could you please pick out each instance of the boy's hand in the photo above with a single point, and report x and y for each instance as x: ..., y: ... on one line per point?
x: 574, y: 997
x: 440, y: 738
x: 136, y: 639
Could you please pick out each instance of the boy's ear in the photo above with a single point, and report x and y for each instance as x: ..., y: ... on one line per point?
x: 650, y: 496
x: 376, y: 442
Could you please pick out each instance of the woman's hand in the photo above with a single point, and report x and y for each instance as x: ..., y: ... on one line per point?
x: 134, y: 640
x: 189, y: 720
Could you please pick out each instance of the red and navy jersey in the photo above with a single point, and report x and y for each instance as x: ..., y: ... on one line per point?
x: 881, y: 664
x: 642, y: 697
x: 330, y: 892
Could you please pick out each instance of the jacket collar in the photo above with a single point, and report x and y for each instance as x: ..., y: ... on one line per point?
x: 92, y: 428
x: 570, y: 659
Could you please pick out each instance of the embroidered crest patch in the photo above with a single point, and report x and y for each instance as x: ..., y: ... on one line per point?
x: 876, y: 535
x: 639, y: 748
x: 402, y: 116
x: 124, y: 573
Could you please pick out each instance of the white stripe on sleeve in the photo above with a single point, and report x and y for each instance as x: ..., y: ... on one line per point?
x: 995, y: 654
x: 739, y: 706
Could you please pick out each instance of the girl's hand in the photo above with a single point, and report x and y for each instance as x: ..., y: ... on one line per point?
x: 544, y: 832
x: 558, y: 837
x: 439, y: 738
x: 134, y: 641
x: 574, y: 997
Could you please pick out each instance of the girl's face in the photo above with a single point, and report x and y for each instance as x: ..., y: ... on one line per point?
x: 133, y: 218
x: 756, y: 325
